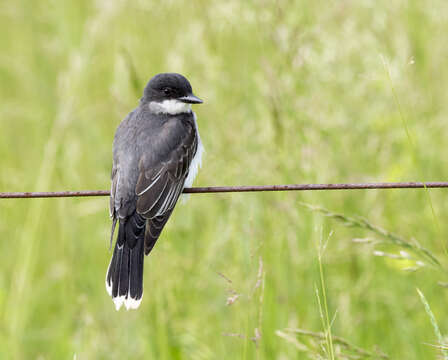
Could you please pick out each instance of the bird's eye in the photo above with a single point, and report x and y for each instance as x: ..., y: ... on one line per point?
x: 166, y: 91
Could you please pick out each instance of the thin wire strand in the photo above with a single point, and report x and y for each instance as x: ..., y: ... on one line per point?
x: 247, y: 188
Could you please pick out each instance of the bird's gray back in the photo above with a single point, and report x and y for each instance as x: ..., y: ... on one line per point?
x: 142, y: 141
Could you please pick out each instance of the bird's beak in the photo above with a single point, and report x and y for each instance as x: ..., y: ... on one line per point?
x: 190, y: 99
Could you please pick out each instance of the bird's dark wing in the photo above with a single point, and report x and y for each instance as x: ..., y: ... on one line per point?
x: 112, y: 212
x: 124, y: 177
x: 113, y: 189
x: 153, y: 229
x: 163, y: 168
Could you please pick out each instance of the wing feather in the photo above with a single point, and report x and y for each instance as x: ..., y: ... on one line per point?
x: 113, y: 188
x: 149, y: 199
x: 162, y: 174
x: 154, y: 181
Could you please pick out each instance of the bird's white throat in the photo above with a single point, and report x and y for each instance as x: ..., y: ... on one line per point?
x: 172, y: 107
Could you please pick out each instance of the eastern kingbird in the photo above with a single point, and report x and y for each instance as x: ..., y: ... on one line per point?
x: 156, y: 153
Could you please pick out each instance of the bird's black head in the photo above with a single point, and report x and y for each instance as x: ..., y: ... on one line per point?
x: 169, y: 86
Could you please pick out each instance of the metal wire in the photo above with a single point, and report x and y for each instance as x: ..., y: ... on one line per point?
x: 247, y: 188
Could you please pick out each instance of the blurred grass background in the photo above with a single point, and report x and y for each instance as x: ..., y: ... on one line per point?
x: 295, y: 92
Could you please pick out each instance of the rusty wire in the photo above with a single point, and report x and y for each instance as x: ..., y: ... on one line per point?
x: 246, y: 188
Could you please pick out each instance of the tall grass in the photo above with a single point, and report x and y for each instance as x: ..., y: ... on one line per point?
x: 438, y: 334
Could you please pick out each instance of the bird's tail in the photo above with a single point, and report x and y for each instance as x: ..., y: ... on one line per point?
x: 124, y: 279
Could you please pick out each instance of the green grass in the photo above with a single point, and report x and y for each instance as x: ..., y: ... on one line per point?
x: 295, y: 92
x: 440, y: 340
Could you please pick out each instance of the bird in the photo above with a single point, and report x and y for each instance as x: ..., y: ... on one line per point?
x: 157, y: 151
